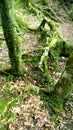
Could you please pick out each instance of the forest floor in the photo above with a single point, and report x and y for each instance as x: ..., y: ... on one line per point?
x: 32, y: 111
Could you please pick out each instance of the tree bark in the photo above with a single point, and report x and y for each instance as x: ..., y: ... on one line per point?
x: 64, y: 86
x: 12, y: 40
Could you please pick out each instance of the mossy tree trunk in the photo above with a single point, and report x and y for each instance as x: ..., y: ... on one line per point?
x: 64, y: 86
x: 12, y: 40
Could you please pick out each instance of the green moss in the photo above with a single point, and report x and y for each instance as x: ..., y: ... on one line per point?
x: 12, y: 40
x: 64, y: 86
x: 56, y: 103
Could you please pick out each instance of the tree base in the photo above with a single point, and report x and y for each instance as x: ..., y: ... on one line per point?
x: 10, y: 71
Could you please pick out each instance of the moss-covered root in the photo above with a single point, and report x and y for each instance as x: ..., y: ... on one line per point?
x: 63, y: 87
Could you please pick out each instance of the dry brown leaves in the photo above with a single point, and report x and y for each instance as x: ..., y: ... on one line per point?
x: 30, y: 116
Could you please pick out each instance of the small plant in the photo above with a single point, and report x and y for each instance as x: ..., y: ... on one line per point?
x: 71, y: 12
x: 9, y: 78
x: 70, y: 98
x: 6, y: 116
x: 7, y: 90
x: 31, y: 90
x: 20, y: 99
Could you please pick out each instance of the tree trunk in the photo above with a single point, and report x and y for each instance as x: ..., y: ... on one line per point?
x: 12, y: 40
x: 64, y: 86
